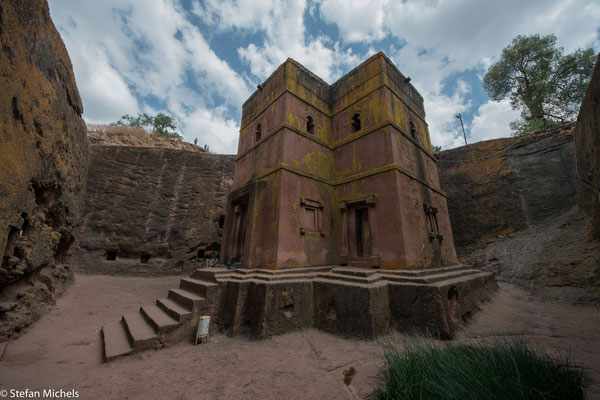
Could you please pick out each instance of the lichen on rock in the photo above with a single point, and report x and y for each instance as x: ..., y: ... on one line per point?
x: 43, y: 162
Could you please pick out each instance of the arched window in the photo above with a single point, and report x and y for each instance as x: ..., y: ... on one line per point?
x: 355, y: 122
x: 413, y: 130
x: 310, y: 125
x: 258, y: 132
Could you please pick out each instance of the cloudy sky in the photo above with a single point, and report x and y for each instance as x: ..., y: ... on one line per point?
x: 200, y: 60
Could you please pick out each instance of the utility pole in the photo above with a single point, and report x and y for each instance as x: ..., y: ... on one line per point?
x: 462, y: 126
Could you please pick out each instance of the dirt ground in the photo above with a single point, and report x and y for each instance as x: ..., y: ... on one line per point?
x: 63, y: 349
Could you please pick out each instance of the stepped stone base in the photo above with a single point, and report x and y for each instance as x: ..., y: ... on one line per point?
x: 353, y: 302
x: 348, y: 301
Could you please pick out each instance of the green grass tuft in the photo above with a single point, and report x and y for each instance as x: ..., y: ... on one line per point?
x: 505, y: 370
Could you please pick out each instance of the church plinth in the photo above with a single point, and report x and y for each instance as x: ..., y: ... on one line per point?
x: 348, y: 301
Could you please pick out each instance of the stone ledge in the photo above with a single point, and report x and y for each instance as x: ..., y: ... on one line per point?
x: 349, y: 301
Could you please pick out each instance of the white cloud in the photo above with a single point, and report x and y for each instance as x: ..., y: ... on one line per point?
x: 213, y: 72
x: 282, y: 23
x: 124, y: 51
x: 130, y: 57
x: 246, y: 14
x: 444, y: 129
x: 441, y: 37
x: 363, y: 21
x: 327, y: 63
x: 103, y: 90
x: 491, y: 121
x: 212, y: 124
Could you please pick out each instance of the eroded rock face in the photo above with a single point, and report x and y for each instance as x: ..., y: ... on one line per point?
x: 514, y: 211
x: 587, y: 139
x: 43, y: 162
x: 499, y: 187
x: 152, y: 211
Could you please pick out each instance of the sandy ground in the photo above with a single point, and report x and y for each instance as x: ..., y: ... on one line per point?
x: 63, y: 350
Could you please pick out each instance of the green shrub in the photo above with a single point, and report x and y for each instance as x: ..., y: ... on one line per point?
x: 522, y: 127
x: 505, y: 370
x: 160, y: 124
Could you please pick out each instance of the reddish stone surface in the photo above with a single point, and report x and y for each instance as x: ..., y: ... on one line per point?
x: 151, y: 211
x: 497, y: 188
x: 43, y: 163
x: 587, y: 142
x: 311, y: 187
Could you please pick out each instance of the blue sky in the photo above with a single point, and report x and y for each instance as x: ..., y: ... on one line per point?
x: 200, y: 60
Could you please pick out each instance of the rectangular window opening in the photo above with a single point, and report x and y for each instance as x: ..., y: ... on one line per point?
x: 311, y: 216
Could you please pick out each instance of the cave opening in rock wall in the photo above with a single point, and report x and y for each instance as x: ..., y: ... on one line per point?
x: 163, y: 253
x: 62, y: 253
x: 14, y: 241
x: 11, y: 242
x: 111, y: 255
x: 45, y: 199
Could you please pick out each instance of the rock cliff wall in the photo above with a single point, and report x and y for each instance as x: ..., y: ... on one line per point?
x: 502, y: 186
x: 514, y: 210
x: 152, y: 211
x: 43, y: 162
x: 587, y: 139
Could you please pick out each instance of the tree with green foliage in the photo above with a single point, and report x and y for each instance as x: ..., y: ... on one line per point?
x: 161, y: 124
x: 436, y: 149
x: 539, y: 79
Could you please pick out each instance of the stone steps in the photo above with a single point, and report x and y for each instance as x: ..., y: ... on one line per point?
x: 379, y: 282
x: 268, y: 278
x: 141, y: 335
x: 210, y: 274
x: 449, y: 275
x: 423, y: 277
x: 115, y: 340
x: 459, y: 279
x: 201, y: 287
x: 424, y: 272
x: 170, y: 317
x: 351, y: 278
x: 160, y: 320
x: 175, y: 310
x: 189, y: 300
x: 267, y: 275
x: 151, y: 325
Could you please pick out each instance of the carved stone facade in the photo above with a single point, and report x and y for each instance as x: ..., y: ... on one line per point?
x: 336, y: 174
